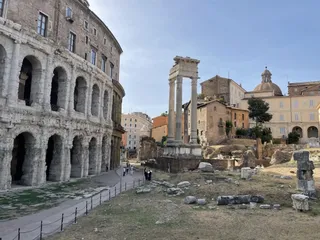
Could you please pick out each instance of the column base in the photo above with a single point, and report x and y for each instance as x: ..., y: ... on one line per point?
x: 177, y: 149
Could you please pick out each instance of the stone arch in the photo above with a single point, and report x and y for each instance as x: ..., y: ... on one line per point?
x: 80, y: 94
x: 93, y: 154
x: 3, y: 56
x: 313, y: 132
x: 105, y: 104
x: 54, y: 158
x: 104, y: 155
x: 29, y: 80
x: 76, y: 157
x: 95, y: 100
x: 23, y: 158
x: 298, y: 130
x: 58, y: 96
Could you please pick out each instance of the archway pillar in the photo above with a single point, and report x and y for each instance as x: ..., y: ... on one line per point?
x: 66, y: 164
x: 89, y: 98
x: 31, y: 164
x: 14, y: 74
x: 85, y: 157
x: 41, y: 171
x: 6, y: 146
x: 72, y: 85
x: 47, y: 84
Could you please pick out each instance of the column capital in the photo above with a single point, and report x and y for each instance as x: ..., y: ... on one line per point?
x: 171, y: 81
x: 194, y: 80
x: 179, y: 79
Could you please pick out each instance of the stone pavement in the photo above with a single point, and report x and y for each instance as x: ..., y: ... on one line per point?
x: 30, y: 226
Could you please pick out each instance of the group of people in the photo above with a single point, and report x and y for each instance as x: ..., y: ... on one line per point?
x: 147, y: 174
x: 127, y: 168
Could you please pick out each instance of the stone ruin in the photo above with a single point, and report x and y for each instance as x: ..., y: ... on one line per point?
x: 148, y: 148
x: 305, y: 169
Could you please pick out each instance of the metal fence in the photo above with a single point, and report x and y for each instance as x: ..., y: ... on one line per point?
x: 69, y: 217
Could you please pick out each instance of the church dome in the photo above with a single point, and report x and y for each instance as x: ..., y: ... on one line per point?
x: 267, y: 85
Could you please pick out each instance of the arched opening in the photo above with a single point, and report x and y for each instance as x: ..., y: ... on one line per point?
x: 29, y: 80
x: 313, y: 132
x: 105, y: 104
x: 22, y: 158
x: 58, y: 89
x: 92, y: 156
x: 95, y: 101
x: 3, y: 56
x: 298, y: 130
x: 104, y: 159
x: 76, y: 158
x: 54, y: 158
x: 79, y: 98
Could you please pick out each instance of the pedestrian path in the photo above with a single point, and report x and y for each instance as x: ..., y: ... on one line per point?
x: 46, y: 222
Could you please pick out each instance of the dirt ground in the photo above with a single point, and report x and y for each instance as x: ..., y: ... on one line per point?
x: 156, y: 215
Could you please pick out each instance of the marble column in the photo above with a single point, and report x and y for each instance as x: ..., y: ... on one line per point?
x: 14, y: 74
x: 193, y: 138
x: 178, y: 109
x: 171, y: 111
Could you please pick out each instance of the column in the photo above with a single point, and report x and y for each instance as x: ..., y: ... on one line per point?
x: 72, y: 85
x: 193, y: 137
x: 171, y: 111
x: 178, y: 109
x: 47, y: 84
x: 14, y: 74
x: 89, y: 98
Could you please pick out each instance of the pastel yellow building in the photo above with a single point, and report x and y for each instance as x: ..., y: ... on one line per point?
x: 297, y: 112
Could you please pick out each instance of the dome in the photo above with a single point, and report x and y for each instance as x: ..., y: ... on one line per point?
x: 267, y: 85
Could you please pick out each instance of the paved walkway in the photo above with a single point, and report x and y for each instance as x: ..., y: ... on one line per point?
x: 30, y: 226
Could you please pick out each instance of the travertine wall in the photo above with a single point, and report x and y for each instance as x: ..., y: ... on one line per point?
x: 41, y: 141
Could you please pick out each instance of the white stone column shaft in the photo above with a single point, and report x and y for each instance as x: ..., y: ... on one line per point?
x: 194, y: 96
x: 178, y: 109
x: 14, y: 74
x: 171, y: 110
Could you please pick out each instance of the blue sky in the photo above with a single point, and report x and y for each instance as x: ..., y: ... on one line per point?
x: 236, y: 36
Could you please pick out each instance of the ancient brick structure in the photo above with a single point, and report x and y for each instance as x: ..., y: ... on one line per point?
x: 59, y: 64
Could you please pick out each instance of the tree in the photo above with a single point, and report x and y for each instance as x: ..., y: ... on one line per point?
x: 164, y: 140
x: 229, y: 126
x: 293, y: 137
x: 164, y: 114
x: 258, y: 110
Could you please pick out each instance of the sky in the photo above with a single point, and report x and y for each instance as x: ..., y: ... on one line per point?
x: 235, y: 38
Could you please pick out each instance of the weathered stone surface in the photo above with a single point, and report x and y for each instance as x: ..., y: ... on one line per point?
x: 265, y: 206
x: 69, y: 102
x: 248, y: 159
x: 205, y: 167
x: 239, y: 199
x: 201, y: 201
x: 143, y: 190
x: 276, y: 206
x: 175, y: 191
x: 183, y: 184
x: 279, y: 157
x: 300, y: 202
x: 167, y: 184
x: 190, y: 200
x: 243, y: 206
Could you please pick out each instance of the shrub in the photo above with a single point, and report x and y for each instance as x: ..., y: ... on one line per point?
x: 242, y: 132
x: 276, y: 141
x: 293, y: 138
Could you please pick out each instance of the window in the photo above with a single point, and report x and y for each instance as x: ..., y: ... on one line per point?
x: 242, y: 117
x: 72, y: 42
x: 311, y: 103
x: 129, y: 136
x: 281, y: 117
x: 134, y: 142
x: 86, y: 25
x: 111, y: 69
x: 130, y: 124
x: 125, y: 124
x: 103, y: 63
x: 282, y: 130
x: 135, y: 125
x: 86, y: 56
x: 312, y: 117
x: 296, y: 116
x: 68, y: 12
x: 281, y: 104
x: 129, y: 142
x: 135, y: 120
x: 105, y: 41
x: 235, y: 115
x: 93, y: 56
x: 242, y: 125
x: 95, y: 31
x: 201, y: 133
x: 296, y: 104
x: 1, y: 7
x: 42, y: 24
x: 214, y: 108
x: 235, y: 124
x: 130, y: 119
x: 87, y: 39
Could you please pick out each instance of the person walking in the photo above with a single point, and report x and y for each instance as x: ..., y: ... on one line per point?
x: 124, y: 171
x: 145, y: 174
x: 131, y: 170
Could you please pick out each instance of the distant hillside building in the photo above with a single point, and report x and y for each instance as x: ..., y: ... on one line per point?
x: 297, y: 112
x: 223, y: 88
x: 136, y: 124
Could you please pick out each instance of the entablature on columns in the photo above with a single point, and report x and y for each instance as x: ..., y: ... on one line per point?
x: 184, y: 67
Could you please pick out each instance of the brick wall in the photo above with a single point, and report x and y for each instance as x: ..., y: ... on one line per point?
x: 58, y: 28
x: 217, y: 86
